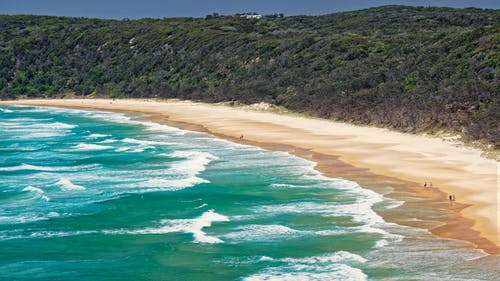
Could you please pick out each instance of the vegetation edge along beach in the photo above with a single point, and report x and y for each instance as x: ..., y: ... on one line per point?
x: 414, y: 69
x: 406, y: 161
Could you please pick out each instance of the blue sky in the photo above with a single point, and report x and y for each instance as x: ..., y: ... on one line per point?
x: 133, y: 9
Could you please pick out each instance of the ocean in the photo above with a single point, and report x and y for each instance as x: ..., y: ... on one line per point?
x: 90, y: 195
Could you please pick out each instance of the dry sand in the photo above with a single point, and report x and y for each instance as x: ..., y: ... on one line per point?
x: 413, y: 159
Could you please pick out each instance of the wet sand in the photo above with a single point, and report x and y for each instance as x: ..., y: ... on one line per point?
x: 374, y: 157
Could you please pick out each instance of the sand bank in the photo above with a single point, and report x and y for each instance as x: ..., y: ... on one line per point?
x: 354, y: 151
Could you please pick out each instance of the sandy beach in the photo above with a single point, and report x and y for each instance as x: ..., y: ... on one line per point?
x: 354, y: 152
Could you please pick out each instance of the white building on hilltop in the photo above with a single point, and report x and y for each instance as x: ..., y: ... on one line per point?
x: 251, y: 16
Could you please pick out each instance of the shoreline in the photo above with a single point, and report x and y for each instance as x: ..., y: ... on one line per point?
x: 372, y: 157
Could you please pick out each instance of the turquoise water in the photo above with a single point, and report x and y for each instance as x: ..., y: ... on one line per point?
x: 87, y: 195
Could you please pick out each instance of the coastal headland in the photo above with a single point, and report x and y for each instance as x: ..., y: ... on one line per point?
x: 374, y: 157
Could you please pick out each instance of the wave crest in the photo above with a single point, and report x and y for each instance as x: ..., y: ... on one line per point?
x: 194, y: 226
x: 90, y: 147
x: 37, y: 191
x: 67, y: 185
x: 336, y: 266
x: 28, y: 167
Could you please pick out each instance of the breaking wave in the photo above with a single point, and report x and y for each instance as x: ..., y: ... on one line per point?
x: 67, y: 185
x: 90, y: 147
x: 336, y: 266
x: 194, y: 226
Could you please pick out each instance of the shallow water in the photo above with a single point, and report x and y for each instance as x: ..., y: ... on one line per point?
x: 92, y: 195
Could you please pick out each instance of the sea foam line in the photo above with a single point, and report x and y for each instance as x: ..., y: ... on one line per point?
x: 159, y: 184
x: 90, y: 147
x: 28, y: 167
x: 336, y: 266
x: 122, y: 118
x: 196, y: 162
x: 256, y: 232
x: 186, y: 172
x: 37, y: 191
x: 10, y: 124
x: 145, y: 142
x: 25, y: 167
x: 97, y: 136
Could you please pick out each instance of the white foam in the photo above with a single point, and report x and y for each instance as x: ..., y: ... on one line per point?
x: 297, y: 208
x: 38, y: 191
x: 480, y: 254
x: 145, y: 142
x: 340, y: 256
x: 330, y: 232
x: 20, y: 125
x: 186, y: 172
x: 24, y: 167
x: 281, y: 185
x: 23, y: 120
x: 163, y: 128
x: 121, y: 118
x: 17, y: 219
x: 108, y: 141
x: 360, y: 211
x: 141, y: 149
x: 56, y: 126
x: 131, y: 149
x: 142, y: 145
x: 201, y: 206
x: 33, y: 189
x: 53, y: 214
x: 97, y: 136
x: 90, y: 147
x: 381, y: 243
x: 243, y: 217
x: 194, y: 226
x: 107, y: 116
x: 206, y: 220
x: 28, y: 167
x: 196, y: 163
x: 392, y: 204
x: 11, y: 124
x: 26, y: 131
x: 265, y: 258
x: 29, y: 108
x: 33, y: 135
x: 159, y: 184
x: 49, y: 234
x: 67, y: 185
x: 256, y: 232
x: 14, y: 147
x: 5, y: 110
x: 335, y: 266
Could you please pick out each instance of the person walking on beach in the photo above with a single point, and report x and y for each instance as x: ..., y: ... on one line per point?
x: 425, y: 184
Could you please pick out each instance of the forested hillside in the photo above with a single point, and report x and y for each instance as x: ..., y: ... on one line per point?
x: 414, y: 69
